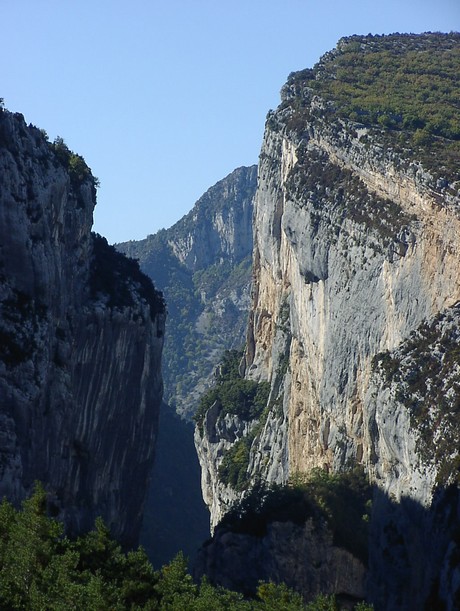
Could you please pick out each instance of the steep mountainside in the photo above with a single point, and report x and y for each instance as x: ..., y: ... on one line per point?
x: 203, y: 266
x: 81, y: 333
x: 356, y: 252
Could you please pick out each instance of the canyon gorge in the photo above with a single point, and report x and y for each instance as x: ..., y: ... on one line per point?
x: 311, y: 333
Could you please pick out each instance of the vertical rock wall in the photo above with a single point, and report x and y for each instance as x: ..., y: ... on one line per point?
x: 80, y: 377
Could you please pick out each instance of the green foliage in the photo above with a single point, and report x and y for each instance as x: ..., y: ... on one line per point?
x: 246, y: 399
x: 79, y: 171
x: 279, y: 596
x: 323, y: 603
x: 211, y: 278
x: 407, y: 84
x: 29, y: 541
x: 117, y: 277
x: 229, y: 367
x: 42, y: 569
x: 232, y: 393
x: 233, y: 470
x: 176, y: 587
x: 388, y: 364
x: 387, y: 82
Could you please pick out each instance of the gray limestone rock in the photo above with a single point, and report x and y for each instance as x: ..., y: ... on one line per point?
x: 81, y: 338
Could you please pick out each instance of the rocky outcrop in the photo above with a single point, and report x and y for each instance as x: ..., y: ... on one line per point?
x: 217, y: 437
x: 219, y: 227
x: 355, y: 248
x: 203, y: 266
x: 312, y: 561
x: 81, y: 339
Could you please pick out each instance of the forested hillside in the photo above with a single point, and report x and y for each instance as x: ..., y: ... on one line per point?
x: 406, y: 84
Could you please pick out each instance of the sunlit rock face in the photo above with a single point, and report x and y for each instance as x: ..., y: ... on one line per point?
x: 356, y: 248
x: 81, y: 339
x: 348, y: 290
x: 220, y: 224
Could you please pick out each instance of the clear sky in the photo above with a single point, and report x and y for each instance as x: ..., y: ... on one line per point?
x: 165, y: 98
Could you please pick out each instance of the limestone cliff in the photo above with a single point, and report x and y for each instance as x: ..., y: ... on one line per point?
x: 356, y: 246
x: 81, y: 338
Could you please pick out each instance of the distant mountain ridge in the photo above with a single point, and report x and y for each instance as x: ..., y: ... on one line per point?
x: 203, y: 266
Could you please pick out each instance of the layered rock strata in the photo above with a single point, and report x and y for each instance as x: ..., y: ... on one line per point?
x: 355, y: 248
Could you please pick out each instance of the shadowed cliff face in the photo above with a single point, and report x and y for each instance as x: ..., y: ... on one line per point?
x: 311, y: 535
x: 240, y: 561
x: 81, y: 338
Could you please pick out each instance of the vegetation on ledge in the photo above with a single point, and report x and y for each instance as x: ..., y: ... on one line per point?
x: 317, y: 180
x: 246, y: 399
x: 76, y: 166
x: 233, y: 394
x: 405, y: 85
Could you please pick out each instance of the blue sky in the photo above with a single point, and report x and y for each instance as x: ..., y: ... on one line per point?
x: 163, y: 99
